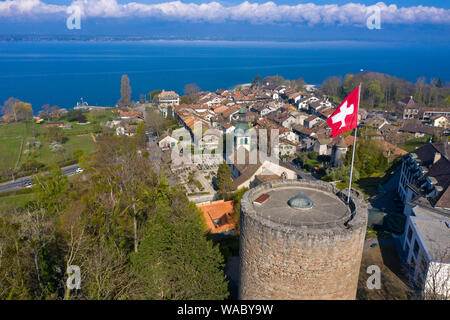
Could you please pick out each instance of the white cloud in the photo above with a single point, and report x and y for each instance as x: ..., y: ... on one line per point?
x: 269, y: 12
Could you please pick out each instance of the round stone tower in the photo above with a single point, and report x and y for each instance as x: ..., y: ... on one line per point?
x: 300, y: 240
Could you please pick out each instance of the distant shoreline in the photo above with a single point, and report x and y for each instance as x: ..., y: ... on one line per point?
x: 288, y: 43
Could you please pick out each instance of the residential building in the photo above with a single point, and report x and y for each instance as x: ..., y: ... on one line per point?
x: 167, y: 142
x: 168, y: 98
x: 245, y: 166
x: 408, y: 108
x: 426, y: 245
x: 312, y: 121
x: 430, y: 112
x: 219, y: 216
x: 440, y: 121
x: 425, y: 173
x: 286, y: 148
x: 210, y: 140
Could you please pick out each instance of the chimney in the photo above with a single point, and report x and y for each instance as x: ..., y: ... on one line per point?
x: 437, y: 157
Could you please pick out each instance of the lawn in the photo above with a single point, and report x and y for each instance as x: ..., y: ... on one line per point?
x: 100, y: 115
x: 79, y: 137
x: 9, y: 151
x: 82, y: 142
x: 10, y: 141
x: 15, y: 201
x: 14, y: 129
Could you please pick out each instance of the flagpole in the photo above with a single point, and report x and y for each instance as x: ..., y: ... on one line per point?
x: 354, y: 147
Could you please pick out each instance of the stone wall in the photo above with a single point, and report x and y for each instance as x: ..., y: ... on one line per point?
x: 305, y: 262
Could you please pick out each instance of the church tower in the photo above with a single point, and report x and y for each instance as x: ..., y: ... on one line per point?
x: 241, y: 132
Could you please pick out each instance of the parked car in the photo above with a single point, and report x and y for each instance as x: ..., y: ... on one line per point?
x: 79, y: 170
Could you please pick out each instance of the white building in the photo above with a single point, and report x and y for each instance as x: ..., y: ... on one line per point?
x: 426, y: 243
x: 167, y: 142
x: 168, y: 98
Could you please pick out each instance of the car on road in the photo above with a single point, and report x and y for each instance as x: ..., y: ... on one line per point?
x: 79, y: 170
x: 27, y: 184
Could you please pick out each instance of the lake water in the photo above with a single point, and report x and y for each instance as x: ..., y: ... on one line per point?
x: 60, y: 73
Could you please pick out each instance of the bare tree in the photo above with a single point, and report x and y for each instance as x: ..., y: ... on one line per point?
x: 430, y: 280
x: 8, y: 105
x: 331, y: 86
x: 125, y: 90
x: 191, y: 89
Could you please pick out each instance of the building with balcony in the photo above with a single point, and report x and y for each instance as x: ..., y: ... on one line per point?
x: 425, y: 173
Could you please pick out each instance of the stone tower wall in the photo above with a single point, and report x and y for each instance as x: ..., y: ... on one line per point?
x: 300, y: 262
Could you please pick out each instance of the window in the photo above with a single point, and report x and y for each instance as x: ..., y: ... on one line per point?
x: 409, y: 233
x: 416, y: 248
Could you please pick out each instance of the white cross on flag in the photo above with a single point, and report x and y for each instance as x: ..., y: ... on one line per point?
x: 346, y: 115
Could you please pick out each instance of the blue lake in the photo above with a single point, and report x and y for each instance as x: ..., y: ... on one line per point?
x: 60, y: 73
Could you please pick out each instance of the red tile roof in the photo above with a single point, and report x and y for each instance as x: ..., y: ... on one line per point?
x: 218, y: 216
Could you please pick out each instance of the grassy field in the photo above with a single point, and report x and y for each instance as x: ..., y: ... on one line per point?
x: 9, y: 151
x: 11, y: 136
x: 77, y: 138
x: 15, y: 201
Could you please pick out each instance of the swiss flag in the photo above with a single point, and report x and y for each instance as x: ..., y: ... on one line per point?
x: 346, y: 115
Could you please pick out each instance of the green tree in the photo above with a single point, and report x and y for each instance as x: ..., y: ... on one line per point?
x: 73, y: 115
x: 169, y: 113
x: 78, y: 153
x: 224, y: 182
x: 175, y: 260
x: 447, y: 101
x: 51, y: 190
x: 55, y: 134
x: 140, y: 134
x: 369, y: 158
x: 22, y: 111
x: 375, y: 93
x: 153, y: 94
x: 185, y: 100
x: 256, y: 81
x: 14, y: 262
x: 236, y: 197
x: 342, y: 173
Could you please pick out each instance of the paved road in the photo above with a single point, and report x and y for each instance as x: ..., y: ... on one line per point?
x: 22, y: 182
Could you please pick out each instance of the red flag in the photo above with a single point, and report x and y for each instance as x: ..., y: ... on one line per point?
x: 346, y: 115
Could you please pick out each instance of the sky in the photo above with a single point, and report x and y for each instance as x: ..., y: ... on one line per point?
x: 401, y: 20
